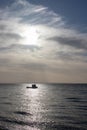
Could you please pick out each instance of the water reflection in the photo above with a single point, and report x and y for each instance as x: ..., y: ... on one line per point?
x: 33, y: 103
x: 49, y: 107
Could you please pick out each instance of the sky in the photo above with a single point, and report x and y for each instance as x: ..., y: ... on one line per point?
x: 43, y: 41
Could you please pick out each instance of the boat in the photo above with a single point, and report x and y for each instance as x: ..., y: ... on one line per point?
x: 33, y: 86
x: 28, y: 87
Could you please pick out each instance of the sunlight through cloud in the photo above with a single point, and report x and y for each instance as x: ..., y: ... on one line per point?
x: 30, y: 36
x: 40, y: 37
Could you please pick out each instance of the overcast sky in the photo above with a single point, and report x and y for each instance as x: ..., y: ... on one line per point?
x: 43, y: 41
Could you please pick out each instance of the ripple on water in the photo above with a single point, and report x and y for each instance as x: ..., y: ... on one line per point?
x: 74, y: 99
x: 6, y: 103
x: 40, y: 125
x: 23, y: 113
x: 3, y: 128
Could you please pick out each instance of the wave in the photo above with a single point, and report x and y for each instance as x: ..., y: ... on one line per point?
x: 6, y: 103
x: 22, y: 113
x: 74, y: 99
x: 3, y: 128
x: 45, y: 125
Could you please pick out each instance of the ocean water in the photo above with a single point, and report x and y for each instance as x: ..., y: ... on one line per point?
x: 49, y: 107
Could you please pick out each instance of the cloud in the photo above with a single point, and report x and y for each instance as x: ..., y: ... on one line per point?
x: 75, y: 42
x: 34, y: 14
x: 34, y: 66
x: 2, y: 27
x: 10, y: 36
x: 4, y: 61
x: 19, y: 48
x: 58, y: 52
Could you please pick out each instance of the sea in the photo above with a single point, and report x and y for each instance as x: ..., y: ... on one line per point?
x: 49, y: 107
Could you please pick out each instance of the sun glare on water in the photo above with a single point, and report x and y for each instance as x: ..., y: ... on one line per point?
x: 30, y: 36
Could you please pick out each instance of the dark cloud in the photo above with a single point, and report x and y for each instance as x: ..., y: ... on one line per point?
x: 72, y: 56
x: 70, y: 41
x: 2, y: 27
x: 10, y: 36
x: 65, y: 56
x: 75, y: 48
x: 17, y: 47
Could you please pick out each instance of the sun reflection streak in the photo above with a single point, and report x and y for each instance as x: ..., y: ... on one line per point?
x: 34, y: 104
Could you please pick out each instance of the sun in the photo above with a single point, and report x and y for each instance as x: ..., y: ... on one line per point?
x: 30, y: 36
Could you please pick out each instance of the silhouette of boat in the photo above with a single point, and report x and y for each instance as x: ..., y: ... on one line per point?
x: 28, y: 87
x: 33, y: 86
